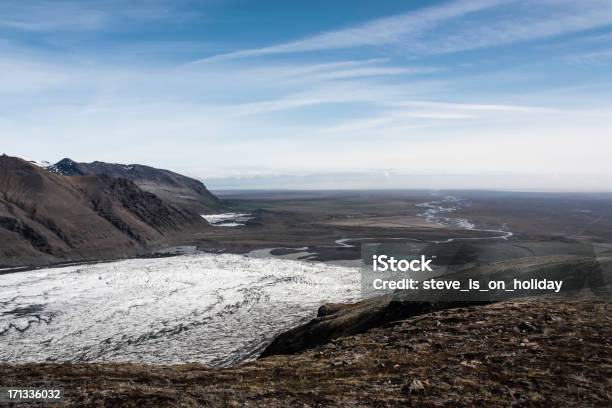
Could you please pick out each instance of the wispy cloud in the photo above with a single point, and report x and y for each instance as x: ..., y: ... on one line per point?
x: 44, y: 15
x: 599, y: 57
x: 406, y: 117
x: 337, y: 70
x: 527, y: 21
x: 79, y: 15
x: 479, y: 107
x: 389, y: 30
x: 452, y: 27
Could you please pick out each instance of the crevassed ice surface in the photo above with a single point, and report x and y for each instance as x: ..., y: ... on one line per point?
x: 216, y: 309
x: 227, y: 219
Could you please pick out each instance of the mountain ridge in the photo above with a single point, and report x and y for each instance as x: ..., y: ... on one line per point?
x: 168, y: 185
x: 46, y: 217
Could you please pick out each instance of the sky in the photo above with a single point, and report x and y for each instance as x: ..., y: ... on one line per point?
x: 500, y: 94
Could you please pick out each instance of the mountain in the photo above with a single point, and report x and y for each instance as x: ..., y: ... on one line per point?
x: 173, y: 188
x: 47, y: 217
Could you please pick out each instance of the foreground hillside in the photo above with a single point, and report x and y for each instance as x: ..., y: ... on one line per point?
x: 47, y: 217
x: 579, y: 274
x: 530, y: 352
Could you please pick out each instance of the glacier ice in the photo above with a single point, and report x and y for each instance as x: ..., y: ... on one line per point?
x: 211, y: 308
x: 227, y: 219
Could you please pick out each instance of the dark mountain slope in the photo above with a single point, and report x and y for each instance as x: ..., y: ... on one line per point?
x: 132, y: 210
x: 46, y: 217
x: 171, y: 187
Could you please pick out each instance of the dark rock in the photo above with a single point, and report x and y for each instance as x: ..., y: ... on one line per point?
x: 527, y: 327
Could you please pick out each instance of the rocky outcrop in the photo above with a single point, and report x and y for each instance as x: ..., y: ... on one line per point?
x: 335, y: 321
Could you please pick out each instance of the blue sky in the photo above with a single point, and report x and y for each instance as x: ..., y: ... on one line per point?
x: 316, y: 94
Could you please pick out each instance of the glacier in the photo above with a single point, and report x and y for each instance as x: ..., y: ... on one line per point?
x: 218, y: 309
x: 227, y: 219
